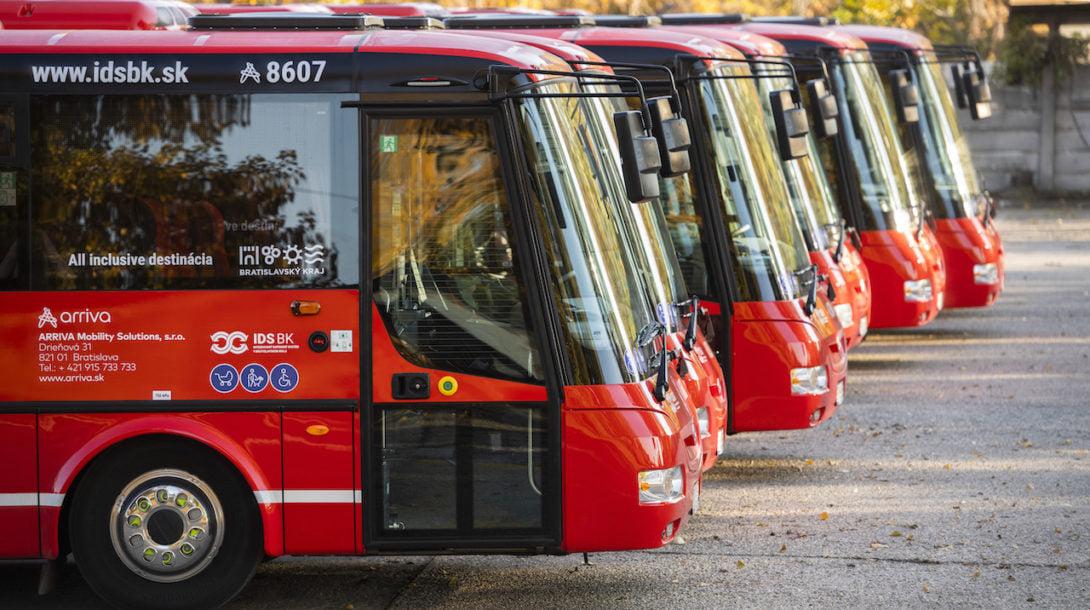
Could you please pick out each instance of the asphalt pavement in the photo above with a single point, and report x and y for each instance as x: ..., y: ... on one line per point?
x: 956, y: 474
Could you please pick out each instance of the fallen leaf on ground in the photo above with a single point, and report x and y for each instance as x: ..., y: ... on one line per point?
x: 824, y: 516
x: 741, y: 564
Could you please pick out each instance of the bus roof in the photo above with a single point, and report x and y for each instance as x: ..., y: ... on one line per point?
x: 388, y: 9
x: 663, y: 38
x: 229, y: 9
x: 563, y: 49
x: 817, y: 35
x: 94, y: 14
x: 898, y: 37
x: 401, y: 64
x: 750, y: 43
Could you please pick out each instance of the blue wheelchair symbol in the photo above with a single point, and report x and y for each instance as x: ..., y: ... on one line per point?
x: 224, y: 378
x: 254, y: 378
x: 284, y: 377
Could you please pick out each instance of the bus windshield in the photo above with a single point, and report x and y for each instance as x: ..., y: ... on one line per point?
x: 877, y: 156
x: 808, y: 189
x: 646, y: 225
x: 945, y: 149
x: 768, y: 248
x: 597, y: 285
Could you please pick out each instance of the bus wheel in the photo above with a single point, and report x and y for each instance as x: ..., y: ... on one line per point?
x: 164, y: 524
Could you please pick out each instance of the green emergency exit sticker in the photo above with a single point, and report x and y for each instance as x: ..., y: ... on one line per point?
x: 387, y: 144
x: 7, y: 189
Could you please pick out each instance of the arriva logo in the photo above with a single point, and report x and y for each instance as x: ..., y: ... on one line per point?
x: 47, y: 318
x: 73, y: 317
x: 229, y: 342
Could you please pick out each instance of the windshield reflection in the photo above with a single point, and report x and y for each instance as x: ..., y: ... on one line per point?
x: 599, y: 292
x: 945, y: 149
x: 768, y: 248
x: 877, y: 156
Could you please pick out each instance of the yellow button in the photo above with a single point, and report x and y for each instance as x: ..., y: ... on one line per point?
x: 448, y: 386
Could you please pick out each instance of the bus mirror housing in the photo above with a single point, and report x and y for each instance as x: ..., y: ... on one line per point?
x: 791, y: 124
x: 672, y: 133
x: 906, y: 96
x: 640, y: 160
x: 823, y: 108
x: 979, y: 94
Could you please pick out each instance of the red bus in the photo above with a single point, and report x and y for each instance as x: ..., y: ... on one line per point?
x: 259, y: 301
x: 869, y: 168
x: 95, y: 14
x: 811, y: 195
x: 736, y: 239
x: 962, y: 210
x: 677, y: 309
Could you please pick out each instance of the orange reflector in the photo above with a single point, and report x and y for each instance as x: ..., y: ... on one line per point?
x: 305, y: 308
x: 318, y: 430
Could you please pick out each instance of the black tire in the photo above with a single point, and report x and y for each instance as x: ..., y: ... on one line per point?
x: 228, y: 570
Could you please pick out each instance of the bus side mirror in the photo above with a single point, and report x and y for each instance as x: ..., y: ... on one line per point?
x: 978, y: 94
x: 823, y: 108
x: 640, y: 162
x: 672, y: 133
x: 906, y: 97
x: 959, y: 87
x: 791, y: 124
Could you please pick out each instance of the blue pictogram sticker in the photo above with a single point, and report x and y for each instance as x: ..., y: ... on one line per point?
x: 284, y: 377
x: 224, y: 378
x: 253, y: 378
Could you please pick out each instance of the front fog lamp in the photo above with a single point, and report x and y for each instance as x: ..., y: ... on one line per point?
x: 809, y: 381
x: 988, y: 274
x: 918, y: 291
x: 844, y: 314
x: 702, y: 422
x: 659, y: 486
x: 864, y: 325
x: 721, y: 443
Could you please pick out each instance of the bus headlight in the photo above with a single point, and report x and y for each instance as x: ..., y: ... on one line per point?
x: 702, y: 422
x: 918, y: 291
x: 659, y: 486
x: 844, y: 314
x: 809, y: 381
x: 987, y: 274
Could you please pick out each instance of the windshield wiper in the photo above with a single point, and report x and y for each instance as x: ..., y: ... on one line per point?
x: 839, y: 252
x: 694, y: 317
x: 809, y: 276
x: 645, y: 337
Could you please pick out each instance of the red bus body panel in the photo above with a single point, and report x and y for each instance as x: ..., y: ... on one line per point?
x: 891, y: 258
x: 768, y: 340
x: 605, y: 449
x: 857, y: 278
x: 845, y: 294
x: 965, y: 243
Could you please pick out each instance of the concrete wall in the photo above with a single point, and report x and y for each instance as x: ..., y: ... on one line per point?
x: 1007, y: 148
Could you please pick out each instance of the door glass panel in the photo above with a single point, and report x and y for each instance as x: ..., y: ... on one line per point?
x: 465, y: 471
x: 445, y: 270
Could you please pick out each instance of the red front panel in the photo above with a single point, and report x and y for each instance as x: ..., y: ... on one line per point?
x: 319, y: 484
x: 604, y: 451
x: 966, y: 243
x: 174, y: 345
x: 935, y: 261
x: 770, y: 339
x: 844, y: 294
x: 18, y: 486
x: 858, y: 281
x: 892, y: 257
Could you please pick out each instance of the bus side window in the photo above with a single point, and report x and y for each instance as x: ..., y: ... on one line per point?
x: 445, y: 275
x: 12, y: 204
